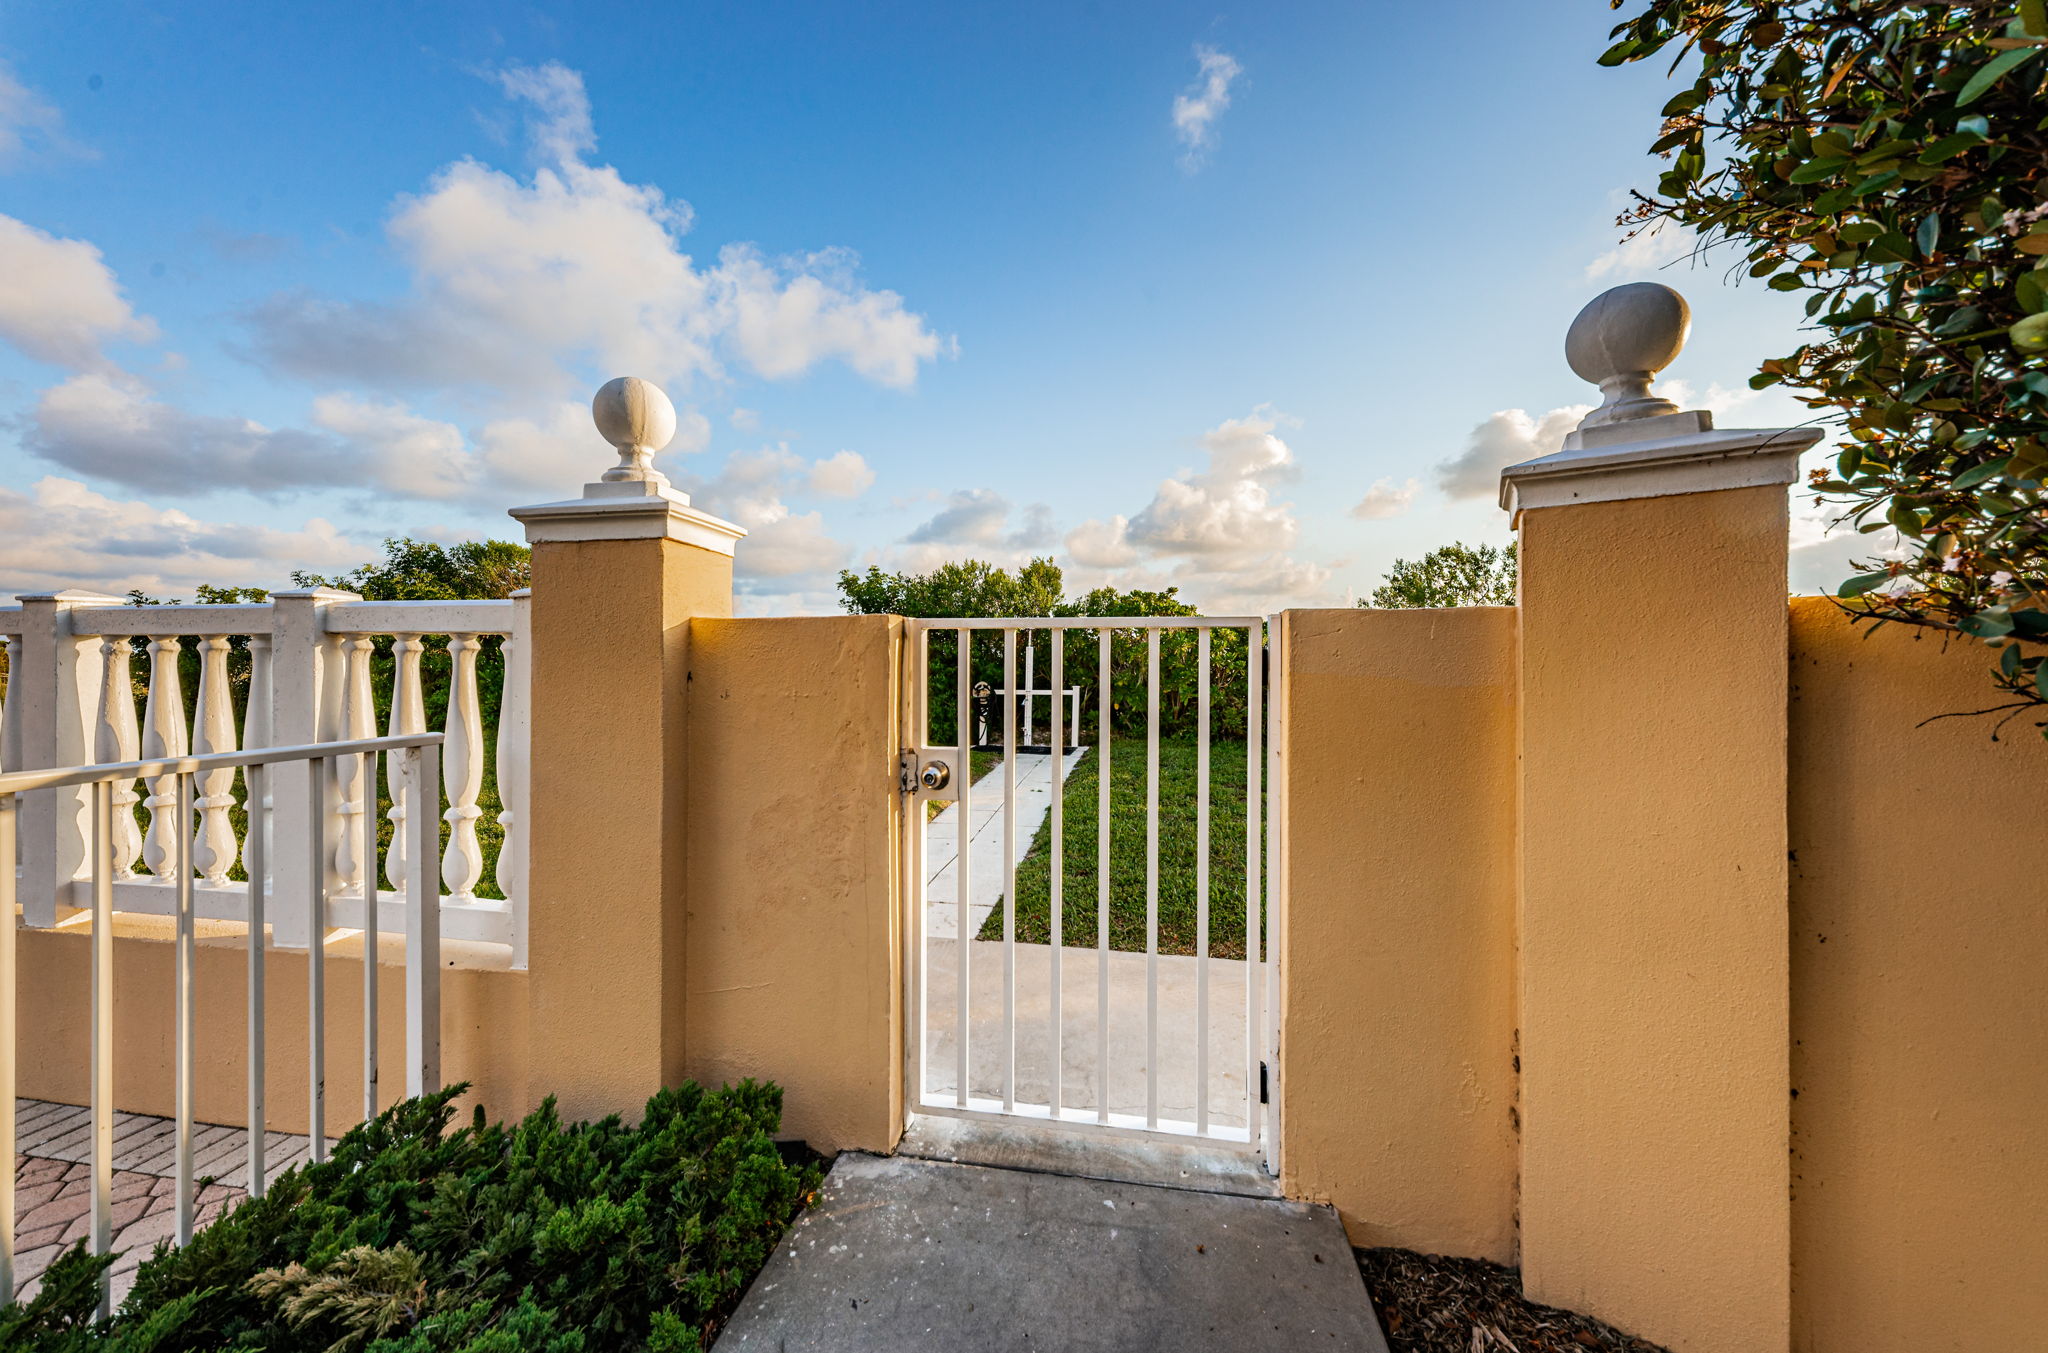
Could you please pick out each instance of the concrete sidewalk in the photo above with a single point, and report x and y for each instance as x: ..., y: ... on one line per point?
x: 903, y: 1254
x: 985, y: 837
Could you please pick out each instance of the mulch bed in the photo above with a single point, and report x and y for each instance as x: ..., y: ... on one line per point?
x: 1429, y: 1303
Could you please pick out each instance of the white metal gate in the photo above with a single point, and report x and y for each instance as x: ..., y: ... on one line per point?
x: 1096, y: 1033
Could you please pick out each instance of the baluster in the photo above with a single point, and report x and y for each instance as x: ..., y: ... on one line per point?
x: 358, y: 720
x: 462, y: 863
x: 408, y: 715
x: 213, y: 730
x: 256, y: 721
x: 163, y: 735
x: 513, y: 737
x: 118, y: 739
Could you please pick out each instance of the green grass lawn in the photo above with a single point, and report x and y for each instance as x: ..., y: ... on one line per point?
x: 1177, y: 894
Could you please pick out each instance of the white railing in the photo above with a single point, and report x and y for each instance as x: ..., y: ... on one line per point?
x: 179, y: 823
x: 308, y: 678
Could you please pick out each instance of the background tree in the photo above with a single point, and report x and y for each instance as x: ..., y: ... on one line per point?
x: 976, y: 589
x: 1890, y: 161
x: 419, y: 570
x: 1455, y: 575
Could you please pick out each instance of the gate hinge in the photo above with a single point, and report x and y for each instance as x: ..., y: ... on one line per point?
x: 906, y: 771
x: 1264, y: 1094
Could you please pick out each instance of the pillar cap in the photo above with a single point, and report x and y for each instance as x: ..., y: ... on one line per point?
x: 1691, y: 458
x: 1636, y: 444
x: 633, y: 500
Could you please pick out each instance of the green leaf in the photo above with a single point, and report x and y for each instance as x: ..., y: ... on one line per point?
x: 1784, y: 282
x: 2031, y: 292
x: 1977, y: 474
x: 2041, y: 679
x: 1977, y: 125
x: 1927, y: 236
x: 1815, y: 170
x: 2034, y: 17
x: 2009, y: 661
x: 1861, y: 583
x: 1619, y: 52
x: 1990, y: 72
x: 1948, y: 147
x: 1876, y: 183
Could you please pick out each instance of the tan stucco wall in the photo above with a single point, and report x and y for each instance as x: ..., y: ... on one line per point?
x: 1919, y: 956
x: 1396, y: 1055
x: 794, y: 970
x: 611, y: 626
x: 1654, y: 967
x: 483, y: 1026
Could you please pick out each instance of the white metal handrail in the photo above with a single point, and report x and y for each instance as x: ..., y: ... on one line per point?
x: 419, y: 756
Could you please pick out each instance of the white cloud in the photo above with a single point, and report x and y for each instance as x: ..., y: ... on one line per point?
x: 970, y: 517
x: 790, y: 550
x: 108, y: 425
x: 62, y: 534
x: 564, y: 130
x: 785, y: 325
x: 1226, y: 514
x: 29, y: 123
x: 845, y: 475
x: 59, y: 301
x: 1652, y: 248
x: 522, y: 285
x: 1217, y: 534
x: 399, y: 450
x: 1384, y: 500
x: 1195, y: 112
x: 1507, y: 438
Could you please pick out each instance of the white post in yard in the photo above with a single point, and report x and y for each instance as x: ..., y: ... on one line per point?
x: 305, y: 684
x: 53, y: 697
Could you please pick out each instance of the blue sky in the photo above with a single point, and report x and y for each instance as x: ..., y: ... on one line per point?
x: 1247, y: 302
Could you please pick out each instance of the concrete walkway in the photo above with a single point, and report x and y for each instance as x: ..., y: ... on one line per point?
x: 985, y: 841
x: 906, y: 1255
x: 1178, y: 988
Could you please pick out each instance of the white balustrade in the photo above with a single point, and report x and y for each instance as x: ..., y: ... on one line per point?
x: 312, y: 677
x: 120, y: 739
x: 163, y: 737
x: 213, y: 730
x: 462, y: 863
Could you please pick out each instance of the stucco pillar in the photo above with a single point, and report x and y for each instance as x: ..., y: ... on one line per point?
x: 1654, y: 1008
x: 617, y: 576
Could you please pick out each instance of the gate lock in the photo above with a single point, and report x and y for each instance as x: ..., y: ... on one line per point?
x: 928, y: 774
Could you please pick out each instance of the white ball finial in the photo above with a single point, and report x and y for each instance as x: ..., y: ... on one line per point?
x: 1623, y: 338
x: 637, y: 419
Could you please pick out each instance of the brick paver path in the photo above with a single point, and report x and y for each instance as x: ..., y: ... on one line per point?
x: 53, y: 1183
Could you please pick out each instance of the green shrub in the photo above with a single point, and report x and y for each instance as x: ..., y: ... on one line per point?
x: 568, y: 1238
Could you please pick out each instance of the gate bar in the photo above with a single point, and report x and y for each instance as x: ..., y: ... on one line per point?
x: 1058, y: 737
x: 1009, y: 871
x: 1202, y: 887
x: 1103, y: 729
x: 963, y: 875
x: 1152, y: 878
